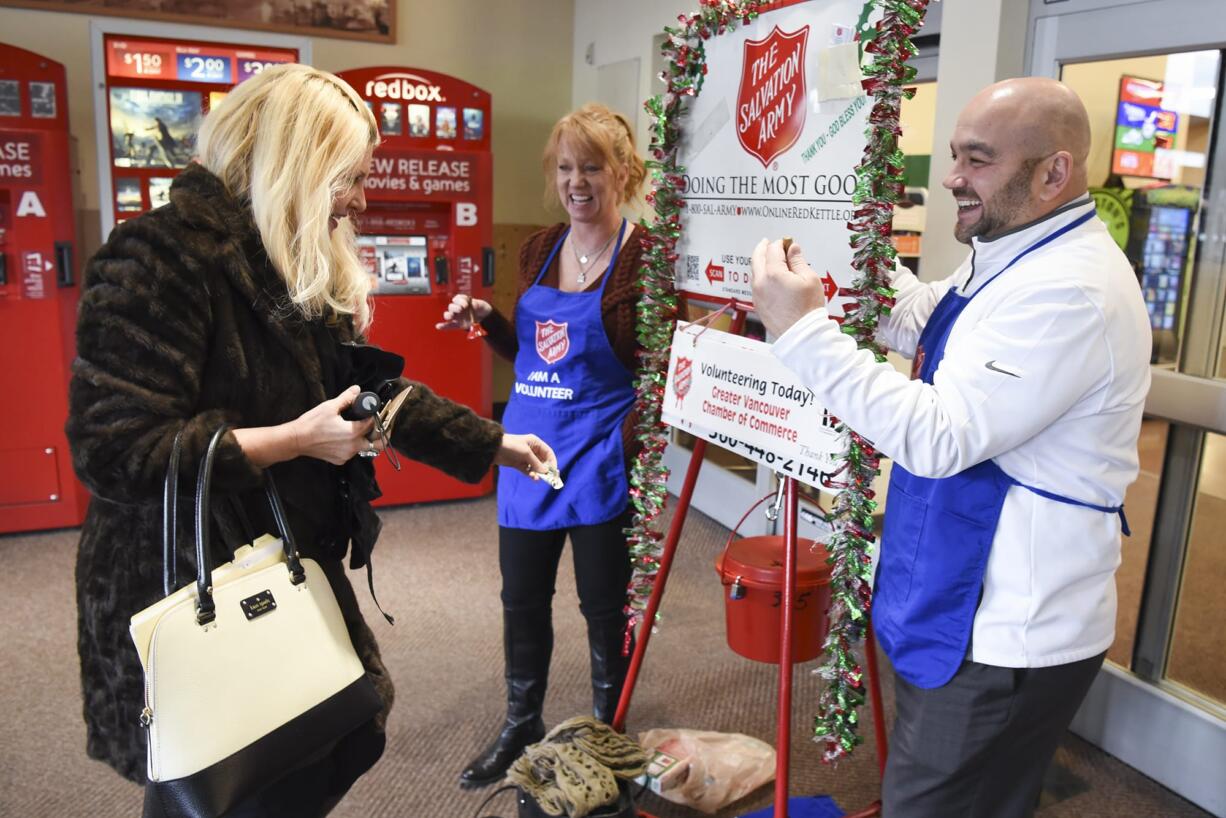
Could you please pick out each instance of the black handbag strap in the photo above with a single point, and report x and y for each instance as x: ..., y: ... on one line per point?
x: 170, y: 515
x: 205, y: 609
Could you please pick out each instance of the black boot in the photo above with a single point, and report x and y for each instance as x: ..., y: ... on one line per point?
x: 605, y: 637
x: 527, y: 638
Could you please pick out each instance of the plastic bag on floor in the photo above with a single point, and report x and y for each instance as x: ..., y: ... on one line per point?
x: 712, y: 769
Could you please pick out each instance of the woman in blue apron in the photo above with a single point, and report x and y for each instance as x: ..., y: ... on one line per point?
x: 572, y: 339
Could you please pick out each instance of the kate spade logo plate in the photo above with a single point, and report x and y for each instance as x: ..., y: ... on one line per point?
x: 258, y: 605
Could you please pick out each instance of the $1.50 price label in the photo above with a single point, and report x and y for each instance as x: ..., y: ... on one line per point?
x: 138, y: 61
x: 732, y: 392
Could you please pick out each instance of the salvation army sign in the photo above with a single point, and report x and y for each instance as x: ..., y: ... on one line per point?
x: 770, y: 148
x: 771, y: 105
x: 732, y: 392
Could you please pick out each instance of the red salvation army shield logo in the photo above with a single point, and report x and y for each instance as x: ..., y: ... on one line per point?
x: 552, y: 342
x: 683, y: 377
x: 771, y: 104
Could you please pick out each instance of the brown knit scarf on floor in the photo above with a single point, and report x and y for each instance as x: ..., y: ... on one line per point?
x: 574, y: 769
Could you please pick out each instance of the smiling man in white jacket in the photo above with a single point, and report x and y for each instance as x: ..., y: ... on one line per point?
x: 1013, y: 445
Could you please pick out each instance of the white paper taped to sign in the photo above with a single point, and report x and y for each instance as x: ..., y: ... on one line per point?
x: 839, y: 70
x: 732, y: 392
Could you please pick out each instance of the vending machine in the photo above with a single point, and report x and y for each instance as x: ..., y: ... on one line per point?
x: 1161, y: 249
x: 38, y: 296
x: 157, y: 92
x: 427, y: 234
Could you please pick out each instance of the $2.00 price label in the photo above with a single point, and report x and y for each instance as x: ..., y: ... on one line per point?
x: 734, y: 393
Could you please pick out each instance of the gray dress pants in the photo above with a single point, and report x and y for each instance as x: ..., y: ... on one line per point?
x: 978, y: 746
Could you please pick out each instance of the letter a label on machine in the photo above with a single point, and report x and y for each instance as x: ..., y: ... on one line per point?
x: 732, y: 392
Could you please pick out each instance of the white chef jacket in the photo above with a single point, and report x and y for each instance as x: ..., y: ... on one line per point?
x: 1045, y: 372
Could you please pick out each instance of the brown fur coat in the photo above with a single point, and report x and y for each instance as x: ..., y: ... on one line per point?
x: 182, y: 325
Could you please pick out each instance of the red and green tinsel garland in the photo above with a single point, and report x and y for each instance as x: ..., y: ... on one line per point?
x: 879, y: 185
x: 657, y: 308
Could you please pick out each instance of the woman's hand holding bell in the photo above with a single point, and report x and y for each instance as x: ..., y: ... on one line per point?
x: 463, y: 312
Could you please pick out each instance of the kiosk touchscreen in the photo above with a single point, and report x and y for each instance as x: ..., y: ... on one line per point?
x: 157, y: 93
x: 427, y: 234
x: 400, y: 263
x: 38, y: 296
x: 1160, y: 248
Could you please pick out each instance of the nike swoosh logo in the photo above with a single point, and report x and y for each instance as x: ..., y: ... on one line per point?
x: 991, y: 365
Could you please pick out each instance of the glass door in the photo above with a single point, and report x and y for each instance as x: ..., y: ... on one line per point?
x: 1153, y: 86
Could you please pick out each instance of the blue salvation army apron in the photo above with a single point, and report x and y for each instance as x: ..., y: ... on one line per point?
x: 572, y: 392
x: 938, y: 533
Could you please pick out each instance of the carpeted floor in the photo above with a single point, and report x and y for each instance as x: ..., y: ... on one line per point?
x: 437, y: 572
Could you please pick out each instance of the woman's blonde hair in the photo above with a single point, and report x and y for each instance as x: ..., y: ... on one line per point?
x: 286, y: 142
x: 595, y: 131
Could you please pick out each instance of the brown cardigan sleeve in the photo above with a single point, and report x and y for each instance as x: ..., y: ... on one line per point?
x: 619, y: 306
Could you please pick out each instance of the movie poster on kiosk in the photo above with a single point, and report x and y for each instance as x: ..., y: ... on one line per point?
x: 10, y: 98
x: 154, y: 128
x: 770, y: 148
x: 159, y: 191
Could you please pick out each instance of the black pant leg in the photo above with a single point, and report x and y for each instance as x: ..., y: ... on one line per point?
x: 529, y: 563
x: 979, y: 746
x: 602, y: 566
x: 1047, y: 700
x: 602, y: 572
x: 941, y: 741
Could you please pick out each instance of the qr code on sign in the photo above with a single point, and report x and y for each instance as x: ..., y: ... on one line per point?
x: 691, y: 268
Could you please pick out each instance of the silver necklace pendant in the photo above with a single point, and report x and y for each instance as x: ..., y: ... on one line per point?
x: 583, y: 258
x: 583, y: 277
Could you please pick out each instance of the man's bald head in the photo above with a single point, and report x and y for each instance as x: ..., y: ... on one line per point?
x: 1020, y: 149
x: 1045, y: 114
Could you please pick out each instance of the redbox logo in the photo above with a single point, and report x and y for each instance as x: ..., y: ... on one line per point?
x: 404, y: 86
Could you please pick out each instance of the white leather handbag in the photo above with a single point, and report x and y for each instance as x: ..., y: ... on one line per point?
x: 249, y: 671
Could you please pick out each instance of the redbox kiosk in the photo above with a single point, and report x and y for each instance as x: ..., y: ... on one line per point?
x: 38, y: 296
x: 427, y: 234
x: 157, y: 92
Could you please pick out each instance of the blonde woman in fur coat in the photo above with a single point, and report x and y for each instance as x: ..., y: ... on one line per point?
x: 240, y: 302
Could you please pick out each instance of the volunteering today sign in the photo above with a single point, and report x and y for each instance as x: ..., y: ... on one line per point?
x: 731, y: 391
x: 770, y: 147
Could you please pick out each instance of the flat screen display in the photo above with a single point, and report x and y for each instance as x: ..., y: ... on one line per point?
x: 398, y: 263
x: 1144, y: 131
